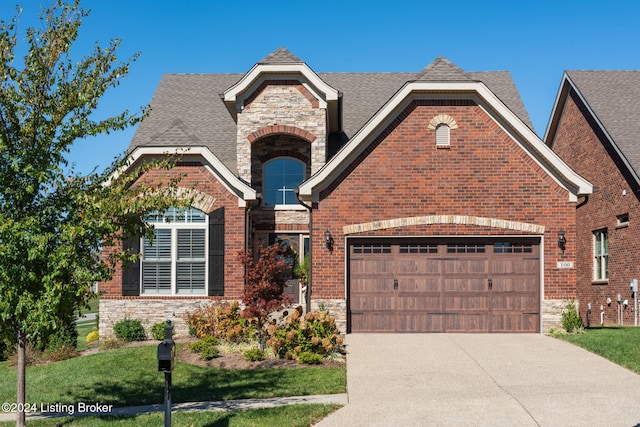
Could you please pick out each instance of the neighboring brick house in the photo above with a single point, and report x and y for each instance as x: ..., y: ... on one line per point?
x: 425, y: 201
x: 595, y: 128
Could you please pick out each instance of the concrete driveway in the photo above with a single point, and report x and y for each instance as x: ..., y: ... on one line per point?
x: 482, y: 380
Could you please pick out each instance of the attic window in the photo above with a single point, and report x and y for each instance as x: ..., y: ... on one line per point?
x: 442, y: 124
x: 442, y: 135
x: 623, y: 220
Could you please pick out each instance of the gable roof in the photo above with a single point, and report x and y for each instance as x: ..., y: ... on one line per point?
x: 483, y: 96
x: 443, y: 70
x: 613, y: 100
x: 187, y: 111
x: 280, y: 56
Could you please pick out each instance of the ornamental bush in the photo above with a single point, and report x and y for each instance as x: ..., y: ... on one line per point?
x: 158, y: 330
x: 316, y: 333
x: 254, y: 355
x: 207, y: 347
x: 571, y: 320
x: 221, y: 320
x: 92, y: 336
x: 309, y: 358
x: 129, y: 330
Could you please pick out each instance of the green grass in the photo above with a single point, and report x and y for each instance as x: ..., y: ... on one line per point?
x: 619, y: 345
x: 284, y: 416
x: 83, y: 330
x: 86, y: 326
x: 129, y: 377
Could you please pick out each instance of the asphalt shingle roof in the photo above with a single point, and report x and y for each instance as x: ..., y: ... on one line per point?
x: 186, y: 109
x: 442, y: 69
x: 280, y: 56
x: 614, y: 97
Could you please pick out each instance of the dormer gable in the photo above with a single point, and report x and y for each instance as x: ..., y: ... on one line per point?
x: 282, y: 65
x: 281, y: 106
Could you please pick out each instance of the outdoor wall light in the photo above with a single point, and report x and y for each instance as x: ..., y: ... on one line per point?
x: 328, y: 240
x: 562, y: 241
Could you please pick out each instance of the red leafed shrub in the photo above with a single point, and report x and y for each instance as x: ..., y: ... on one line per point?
x: 265, y: 281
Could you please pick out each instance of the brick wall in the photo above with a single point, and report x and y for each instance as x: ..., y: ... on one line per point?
x: 194, y: 175
x: 579, y: 143
x: 402, y: 174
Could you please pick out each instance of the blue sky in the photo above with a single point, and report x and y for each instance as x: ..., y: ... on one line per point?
x: 534, y: 40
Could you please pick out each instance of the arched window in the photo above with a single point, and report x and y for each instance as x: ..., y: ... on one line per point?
x: 442, y: 124
x: 281, y: 177
x: 442, y: 135
x: 175, y: 261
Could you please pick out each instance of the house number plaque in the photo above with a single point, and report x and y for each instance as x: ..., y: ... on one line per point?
x: 565, y: 264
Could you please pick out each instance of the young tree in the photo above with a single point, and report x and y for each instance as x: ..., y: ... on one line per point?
x: 265, y: 281
x: 53, y: 223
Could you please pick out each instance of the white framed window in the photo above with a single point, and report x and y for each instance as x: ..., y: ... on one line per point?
x: 601, y: 254
x: 443, y: 135
x: 174, y: 262
x: 281, y: 177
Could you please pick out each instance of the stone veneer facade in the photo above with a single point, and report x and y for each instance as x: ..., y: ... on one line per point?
x: 281, y: 108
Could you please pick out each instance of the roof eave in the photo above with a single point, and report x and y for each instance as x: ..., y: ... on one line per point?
x: 566, y: 86
x: 233, y: 183
x: 232, y: 95
x: 574, y: 183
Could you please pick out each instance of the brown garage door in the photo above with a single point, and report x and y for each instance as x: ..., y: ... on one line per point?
x: 444, y: 286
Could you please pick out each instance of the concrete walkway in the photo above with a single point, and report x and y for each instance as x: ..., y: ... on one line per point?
x: 482, y: 380
x: 226, y: 405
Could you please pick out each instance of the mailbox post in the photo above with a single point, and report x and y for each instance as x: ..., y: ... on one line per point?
x: 166, y: 356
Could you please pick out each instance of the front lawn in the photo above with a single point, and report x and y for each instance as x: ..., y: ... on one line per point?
x: 128, y: 377
x: 619, y: 345
x: 284, y: 416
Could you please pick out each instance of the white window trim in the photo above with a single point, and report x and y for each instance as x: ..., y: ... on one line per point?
x: 174, y: 227
x: 600, y: 262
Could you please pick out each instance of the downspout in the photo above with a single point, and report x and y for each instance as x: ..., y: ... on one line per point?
x: 307, y: 294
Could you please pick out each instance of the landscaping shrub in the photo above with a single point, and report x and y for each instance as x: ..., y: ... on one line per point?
x: 66, y: 336
x: 129, y: 330
x: 33, y: 356
x: 61, y: 353
x: 254, y: 355
x: 111, y: 343
x: 309, y: 358
x: 220, y: 320
x: 92, y: 336
x: 206, y: 347
x: 571, y: 320
x: 210, y: 353
x: 158, y: 331
x: 203, y: 343
x: 315, y: 333
x: 201, y: 322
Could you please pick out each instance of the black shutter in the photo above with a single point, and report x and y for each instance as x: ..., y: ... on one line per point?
x: 216, y: 253
x: 131, y: 273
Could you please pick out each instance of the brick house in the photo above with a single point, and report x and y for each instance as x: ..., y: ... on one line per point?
x: 594, y: 128
x: 424, y: 200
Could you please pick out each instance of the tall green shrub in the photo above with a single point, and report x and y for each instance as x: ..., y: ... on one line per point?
x: 571, y: 320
